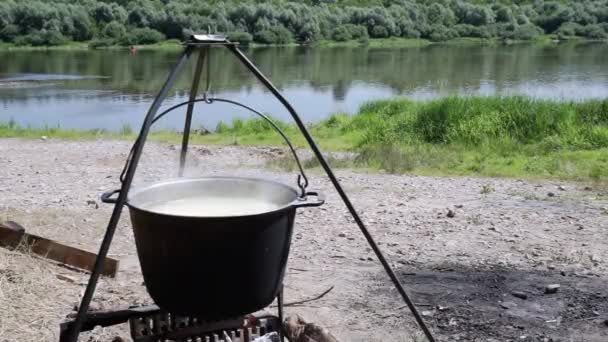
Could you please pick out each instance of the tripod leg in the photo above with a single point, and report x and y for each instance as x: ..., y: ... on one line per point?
x: 280, y: 310
x: 72, y: 335
x: 203, y: 54
x: 334, y: 180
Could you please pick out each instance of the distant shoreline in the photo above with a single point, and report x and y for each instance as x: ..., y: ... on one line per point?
x: 372, y: 43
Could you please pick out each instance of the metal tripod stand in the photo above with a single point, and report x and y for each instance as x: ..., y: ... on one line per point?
x: 202, y: 45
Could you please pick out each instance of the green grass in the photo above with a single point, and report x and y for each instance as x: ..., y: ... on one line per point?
x: 483, y: 136
x: 377, y: 42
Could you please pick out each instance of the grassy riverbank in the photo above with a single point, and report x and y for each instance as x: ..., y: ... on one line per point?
x: 486, y: 136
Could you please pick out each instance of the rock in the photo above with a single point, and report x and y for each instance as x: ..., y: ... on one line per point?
x: 118, y: 339
x: 342, y: 235
x: 93, y: 203
x: 588, y: 188
x: 519, y: 294
x: 458, y: 206
x: 450, y: 213
x: 551, y: 288
x: 508, y: 305
x: 44, y: 137
x: 606, y: 322
x: 428, y: 313
x: 561, y: 188
x: 550, y: 194
x: 298, y: 330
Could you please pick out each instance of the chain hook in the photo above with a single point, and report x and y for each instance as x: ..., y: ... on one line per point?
x: 208, y: 76
x: 302, y: 184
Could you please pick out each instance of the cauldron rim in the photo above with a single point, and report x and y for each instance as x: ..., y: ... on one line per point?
x: 280, y: 208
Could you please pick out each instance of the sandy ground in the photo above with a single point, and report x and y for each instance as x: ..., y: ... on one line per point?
x: 506, y: 236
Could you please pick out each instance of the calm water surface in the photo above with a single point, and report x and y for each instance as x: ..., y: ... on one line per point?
x: 110, y: 89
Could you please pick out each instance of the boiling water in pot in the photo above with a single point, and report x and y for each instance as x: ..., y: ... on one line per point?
x: 212, y: 206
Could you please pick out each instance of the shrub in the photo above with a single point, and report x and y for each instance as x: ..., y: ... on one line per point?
x: 265, y: 37
x: 283, y: 36
x: 9, y: 33
x: 142, y: 36
x: 113, y: 30
x: 341, y: 34
x: 504, y: 14
x: 274, y: 35
x: 441, y: 33
x: 465, y: 30
x: 527, y: 32
x: 357, y: 31
x: 100, y: 43
x: 41, y: 38
x: 568, y: 30
x: 240, y: 37
x: 379, y: 31
x: 594, y: 32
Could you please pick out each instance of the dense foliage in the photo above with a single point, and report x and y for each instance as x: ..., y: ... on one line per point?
x: 491, y: 136
x: 52, y: 22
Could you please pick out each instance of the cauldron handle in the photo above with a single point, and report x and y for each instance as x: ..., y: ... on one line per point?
x: 106, y: 197
x: 302, y: 179
x: 305, y: 201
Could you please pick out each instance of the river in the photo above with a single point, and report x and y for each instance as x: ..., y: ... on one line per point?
x: 108, y: 89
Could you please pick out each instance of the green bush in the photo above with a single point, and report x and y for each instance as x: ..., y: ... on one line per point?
x: 41, y: 38
x: 9, y: 33
x: 527, y: 32
x: 240, y: 37
x: 341, y: 34
x: 441, y: 33
x: 113, y: 30
x: 265, y: 37
x: 568, y: 30
x: 141, y: 36
x: 379, y: 31
x: 275, y: 35
x: 100, y: 43
x: 466, y: 30
x: 357, y: 31
x: 594, y: 31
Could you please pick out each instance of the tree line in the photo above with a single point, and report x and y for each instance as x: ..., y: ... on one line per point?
x: 130, y: 22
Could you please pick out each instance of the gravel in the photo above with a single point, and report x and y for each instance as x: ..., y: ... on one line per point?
x: 52, y: 188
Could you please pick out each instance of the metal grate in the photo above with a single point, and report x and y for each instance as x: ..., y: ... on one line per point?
x: 161, y: 327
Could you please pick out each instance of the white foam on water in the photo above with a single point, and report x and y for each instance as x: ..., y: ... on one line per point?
x: 210, y: 206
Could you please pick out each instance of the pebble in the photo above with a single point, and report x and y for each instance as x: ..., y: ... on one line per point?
x: 450, y: 213
x: 519, y: 294
x: 428, y: 313
x: 551, y: 288
x: 551, y: 194
x: 508, y: 305
x: 342, y: 235
x: 561, y: 188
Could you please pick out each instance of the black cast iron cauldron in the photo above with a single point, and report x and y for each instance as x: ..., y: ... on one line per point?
x: 210, y: 266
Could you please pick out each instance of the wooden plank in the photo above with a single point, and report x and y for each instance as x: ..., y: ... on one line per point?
x: 12, y: 234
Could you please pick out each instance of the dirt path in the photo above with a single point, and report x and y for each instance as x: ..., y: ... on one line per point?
x: 505, y: 236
